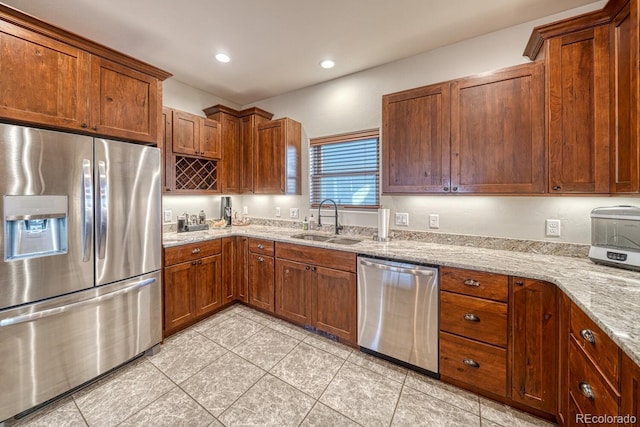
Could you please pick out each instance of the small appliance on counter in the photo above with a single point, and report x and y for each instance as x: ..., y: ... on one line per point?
x: 615, y: 236
x: 225, y: 210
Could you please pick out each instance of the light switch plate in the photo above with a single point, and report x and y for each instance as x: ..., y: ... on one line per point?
x: 553, y: 227
x: 402, y: 219
x: 245, y: 210
x: 434, y: 221
x: 168, y: 215
x: 294, y: 213
x: 278, y: 212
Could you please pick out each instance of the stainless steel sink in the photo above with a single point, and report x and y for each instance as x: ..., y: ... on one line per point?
x: 313, y: 237
x: 343, y: 241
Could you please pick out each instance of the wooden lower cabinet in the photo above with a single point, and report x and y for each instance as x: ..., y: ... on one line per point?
x: 192, y: 283
x: 534, y: 344
x: 630, y: 390
x: 293, y: 291
x: 334, y: 306
x: 261, y: 281
x: 317, y: 287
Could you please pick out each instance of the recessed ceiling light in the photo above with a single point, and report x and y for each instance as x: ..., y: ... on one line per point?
x: 327, y: 63
x: 223, y: 57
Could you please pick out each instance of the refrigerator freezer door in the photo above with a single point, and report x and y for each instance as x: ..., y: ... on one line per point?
x: 53, y: 346
x: 44, y: 168
x: 128, y: 202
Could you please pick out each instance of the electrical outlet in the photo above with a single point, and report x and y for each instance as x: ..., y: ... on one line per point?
x: 294, y: 213
x: 434, y: 221
x: 553, y: 227
x: 168, y: 215
x: 278, y: 212
x: 245, y: 210
x: 402, y: 219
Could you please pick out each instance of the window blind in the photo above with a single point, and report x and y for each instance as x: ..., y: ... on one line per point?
x: 346, y: 168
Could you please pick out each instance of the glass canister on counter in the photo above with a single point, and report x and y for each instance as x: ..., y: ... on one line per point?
x: 202, y: 217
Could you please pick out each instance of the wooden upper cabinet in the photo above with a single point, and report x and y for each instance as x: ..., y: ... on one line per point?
x: 231, y: 154
x: 276, y: 157
x: 415, y: 147
x: 195, y: 136
x: 497, y: 132
x: 52, y: 78
x: 625, y: 95
x: 124, y: 103
x: 42, y: 81
x: 578, y: 111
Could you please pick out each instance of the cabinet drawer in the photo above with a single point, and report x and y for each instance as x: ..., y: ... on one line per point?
x: 338, y: 260
x: 475, y: 283
x: 595, y: 343
x: 261, y: 246
x: 476, y: 318
x: 185, y: 253
x: 475, y: 363
x: 587, y: 387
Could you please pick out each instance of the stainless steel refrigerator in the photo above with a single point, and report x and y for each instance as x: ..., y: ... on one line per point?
x: 80, y: 260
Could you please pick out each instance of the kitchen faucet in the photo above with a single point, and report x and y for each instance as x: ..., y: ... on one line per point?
x: 335, y: 208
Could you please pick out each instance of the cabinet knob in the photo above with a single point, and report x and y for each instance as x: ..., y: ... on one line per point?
x: 193, y: 263
x: 586, y: 389
x: 471, y: 317
x: 472, y: 283
x: 556, y: 188
x: 471, y: 363
x: 260, y: 246
x: 446, y: 188
x: 260, y: 259
x: 200, y: 261
x: 195, y: 251
x: 307, y: 268
x: 520, y: 283
x: 588, y: 336
x: 95, y: 128
x: 313, y: 269
x: 454, y: 189
x: 84, y: 125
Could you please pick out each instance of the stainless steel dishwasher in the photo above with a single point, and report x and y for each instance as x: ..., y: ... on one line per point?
x: 398, y: 312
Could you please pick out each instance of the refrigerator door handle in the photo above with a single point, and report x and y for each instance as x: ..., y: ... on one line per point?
x: 58, y: 310
x: 87, y: 210
x: 102, y: 209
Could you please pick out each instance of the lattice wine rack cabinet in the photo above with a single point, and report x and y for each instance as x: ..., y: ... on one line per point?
x: 196, y: 174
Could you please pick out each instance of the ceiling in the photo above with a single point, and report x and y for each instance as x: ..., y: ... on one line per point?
x: 276, y: 45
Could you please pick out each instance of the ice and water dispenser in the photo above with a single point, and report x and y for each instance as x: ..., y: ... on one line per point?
x: 34, y: 226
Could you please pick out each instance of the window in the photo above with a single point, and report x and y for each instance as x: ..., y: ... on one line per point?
x: 345, y: 168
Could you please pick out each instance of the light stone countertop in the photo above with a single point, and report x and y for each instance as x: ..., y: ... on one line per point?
x: 609, y: 296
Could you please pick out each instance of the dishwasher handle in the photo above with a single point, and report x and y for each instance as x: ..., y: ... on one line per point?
x: 414, y: 271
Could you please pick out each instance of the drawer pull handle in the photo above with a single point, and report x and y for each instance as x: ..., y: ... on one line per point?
x: 586, y: 389
x: 260, y: 246
x: 471, y: 282
x: 195, y: 251
x: 472, y: 363
x: 588, y: 336
x: 471, y: 317
x: 260, y: 259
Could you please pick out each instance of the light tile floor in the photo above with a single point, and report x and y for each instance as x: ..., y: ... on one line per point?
x: 241, y: 367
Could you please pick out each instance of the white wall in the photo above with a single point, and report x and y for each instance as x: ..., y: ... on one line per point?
x: 353, y: 103
x: 180, y: 96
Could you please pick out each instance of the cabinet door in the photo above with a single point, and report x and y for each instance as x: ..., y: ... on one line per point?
x: 186, y: 133
x: 630, y: 387
x: 625, y: 95
x: 248, y: 137
x: 229, y: 269
x: 242, y: 269
x: 415, y: 144
x: 165, y: 149
x: 293, y: 291
x: 210, y: 142
x: 578, y: 112
x: 124, y: 103
x: 497, y: 132
x: 231, y: 154
x: 268, y: 160
x: 334, y: 303
x: 42, y: 81
x: 261, y: 281
x: 208, y: 284
x: 535, y: 344
x: 179, y: 297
